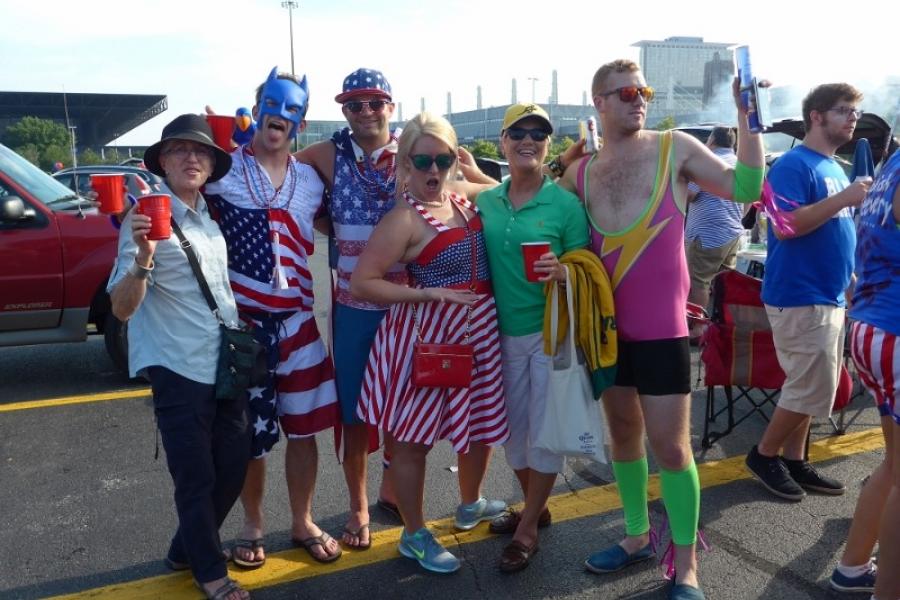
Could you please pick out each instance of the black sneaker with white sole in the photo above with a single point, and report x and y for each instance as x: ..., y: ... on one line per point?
x: 810, y: 479
x: 774, y: 475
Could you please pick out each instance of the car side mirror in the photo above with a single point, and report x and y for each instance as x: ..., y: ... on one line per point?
x: 13, y: 209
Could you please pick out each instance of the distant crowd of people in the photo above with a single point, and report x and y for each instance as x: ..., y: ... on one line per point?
x: 427, y: 251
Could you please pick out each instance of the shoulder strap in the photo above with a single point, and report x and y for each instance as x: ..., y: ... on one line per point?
x: 579, y: 178
x: 195, y: 267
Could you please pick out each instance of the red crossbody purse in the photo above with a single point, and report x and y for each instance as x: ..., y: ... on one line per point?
x: 445, y: 365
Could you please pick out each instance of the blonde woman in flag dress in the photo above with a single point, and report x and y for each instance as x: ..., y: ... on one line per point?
x: 449, y: 300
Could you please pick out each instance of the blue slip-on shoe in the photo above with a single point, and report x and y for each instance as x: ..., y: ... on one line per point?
x: 422, y: 547
x: 470, y: 515
x: 861, y: 583
x: 681, y: 591
x: 615, y: 558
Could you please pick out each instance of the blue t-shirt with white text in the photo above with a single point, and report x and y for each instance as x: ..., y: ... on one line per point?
x: 814, y: 268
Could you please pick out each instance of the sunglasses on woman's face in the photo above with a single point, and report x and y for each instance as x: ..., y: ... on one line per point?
x: 517, y: 134
x: 631, y: 92
x: 423, y: 162
x: 356, y: 106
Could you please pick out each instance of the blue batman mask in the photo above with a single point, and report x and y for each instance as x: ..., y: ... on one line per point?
x: 285, y: 99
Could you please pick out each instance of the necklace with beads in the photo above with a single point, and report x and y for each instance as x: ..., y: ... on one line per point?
x: 256, y: 185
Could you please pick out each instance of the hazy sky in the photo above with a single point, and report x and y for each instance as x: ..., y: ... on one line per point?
x: 216, y: 52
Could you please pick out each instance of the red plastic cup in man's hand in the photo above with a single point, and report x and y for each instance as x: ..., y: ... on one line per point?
x: 531, y: 252
x: 110, y: 188
x: 159, y: 208
x: 222, y: 129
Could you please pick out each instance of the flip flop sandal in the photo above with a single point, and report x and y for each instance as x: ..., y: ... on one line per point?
x: 318, y: 540
x: 252, y: 546
x: 229, y: 587
x: 358, y: 534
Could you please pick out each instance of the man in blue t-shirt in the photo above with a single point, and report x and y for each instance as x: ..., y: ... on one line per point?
x: 807, y: 274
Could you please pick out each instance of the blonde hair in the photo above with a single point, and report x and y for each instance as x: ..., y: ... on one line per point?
x: 621, y: 65
x: 424, y: 123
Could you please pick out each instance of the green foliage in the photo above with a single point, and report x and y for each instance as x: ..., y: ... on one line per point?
x: 666, y: 123
x: 484, y: 149
x: 40, y: 132
x: 558, y: 147
x: 89, y: 157
x: 53, y: 154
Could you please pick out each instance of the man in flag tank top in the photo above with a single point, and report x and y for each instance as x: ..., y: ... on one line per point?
x: 634, y: 188
x: 265, y: 207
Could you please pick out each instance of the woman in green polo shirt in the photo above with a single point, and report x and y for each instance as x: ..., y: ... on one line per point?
x: 528, y: 207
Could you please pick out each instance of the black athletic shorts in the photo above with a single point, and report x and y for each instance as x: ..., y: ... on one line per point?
x: 655, y: 367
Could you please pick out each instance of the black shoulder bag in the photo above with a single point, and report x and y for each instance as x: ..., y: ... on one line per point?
x: 242, y: 360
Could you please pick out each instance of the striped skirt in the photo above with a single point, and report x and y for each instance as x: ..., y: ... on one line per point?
x: 390, y: 401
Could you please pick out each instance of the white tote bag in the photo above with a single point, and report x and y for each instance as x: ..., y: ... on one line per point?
x: 572, y: 424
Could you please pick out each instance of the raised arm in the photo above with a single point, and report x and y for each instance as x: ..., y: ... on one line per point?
x: 742, y: 183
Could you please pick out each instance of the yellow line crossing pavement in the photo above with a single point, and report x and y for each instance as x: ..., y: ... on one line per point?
x: 67, y: 400
x: 295, y: 565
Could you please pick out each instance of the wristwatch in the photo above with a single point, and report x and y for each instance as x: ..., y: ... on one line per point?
x: 556, y: 167
x: 140, y: 272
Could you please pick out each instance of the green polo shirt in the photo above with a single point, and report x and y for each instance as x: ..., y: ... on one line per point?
x: 553, y: 215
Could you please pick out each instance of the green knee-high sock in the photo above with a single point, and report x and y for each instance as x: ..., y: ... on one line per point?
x: 681, y: 495
x: 632, y: 479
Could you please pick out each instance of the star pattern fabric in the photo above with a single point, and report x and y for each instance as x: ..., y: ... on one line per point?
x: 366, y: 79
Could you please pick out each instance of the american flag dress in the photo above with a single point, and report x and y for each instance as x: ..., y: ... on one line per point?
x: 389, y: 400
x: 269, y: 235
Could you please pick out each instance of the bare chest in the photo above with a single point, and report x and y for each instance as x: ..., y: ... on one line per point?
x: 619, y: 189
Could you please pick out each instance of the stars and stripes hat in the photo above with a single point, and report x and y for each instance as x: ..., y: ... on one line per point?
x: 364, y: 82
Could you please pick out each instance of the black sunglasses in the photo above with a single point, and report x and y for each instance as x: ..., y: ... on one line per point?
x: 423, y: 162
x: 631, y: 92
x: 356, y: 106
x: 517, y: 134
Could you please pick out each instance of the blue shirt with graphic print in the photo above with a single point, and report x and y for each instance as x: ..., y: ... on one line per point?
x: 814, y: 268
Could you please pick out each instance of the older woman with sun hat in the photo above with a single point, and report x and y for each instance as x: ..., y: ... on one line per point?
x: 174, y: 340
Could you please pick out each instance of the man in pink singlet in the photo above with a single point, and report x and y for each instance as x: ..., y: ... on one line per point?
x: 634, y: 189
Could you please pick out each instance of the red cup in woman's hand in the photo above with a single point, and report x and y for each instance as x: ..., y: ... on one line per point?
x: 159, y: 208
x: 531, y: 252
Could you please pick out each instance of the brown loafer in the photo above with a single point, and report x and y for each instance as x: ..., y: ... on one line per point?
x: 509, y: 521
x: 516, y: 556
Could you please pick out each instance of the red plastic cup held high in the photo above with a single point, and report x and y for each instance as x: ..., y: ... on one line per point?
x: 222, y: 129
x: 532, y: 251
x: 110, y: 188
x: 159, y: 208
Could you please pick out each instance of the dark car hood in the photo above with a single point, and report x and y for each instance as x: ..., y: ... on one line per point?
x: 870, y: 126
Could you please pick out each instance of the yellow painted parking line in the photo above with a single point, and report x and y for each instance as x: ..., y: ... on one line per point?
x: 51, y: 402
x: 295, y: 565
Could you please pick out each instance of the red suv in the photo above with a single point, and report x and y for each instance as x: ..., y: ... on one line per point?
x: 56, y: 254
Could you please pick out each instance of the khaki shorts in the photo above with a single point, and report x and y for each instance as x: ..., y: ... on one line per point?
x: 704, y: 263
x: 809, y: 341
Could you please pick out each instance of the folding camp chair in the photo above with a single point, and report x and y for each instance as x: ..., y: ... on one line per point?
x: 738, y: 353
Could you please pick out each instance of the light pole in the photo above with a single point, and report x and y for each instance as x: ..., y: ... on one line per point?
x: 291, y: 5
x: 533, y: 80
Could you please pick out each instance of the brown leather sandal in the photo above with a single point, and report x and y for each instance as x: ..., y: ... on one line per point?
x: 509, y: 521
x: 516, y: 556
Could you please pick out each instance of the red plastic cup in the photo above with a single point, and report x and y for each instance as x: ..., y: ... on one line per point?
x: 159, y: 208
x: 222, y: 129
x: 110, y: 188
x: 532, y: 251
